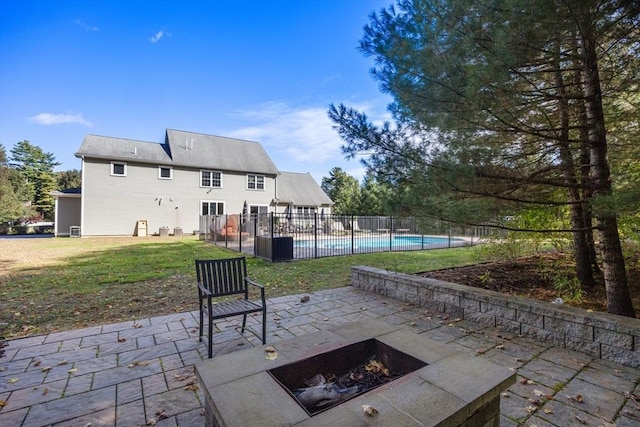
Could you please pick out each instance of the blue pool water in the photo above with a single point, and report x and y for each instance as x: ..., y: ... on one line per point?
x: 376, y: 242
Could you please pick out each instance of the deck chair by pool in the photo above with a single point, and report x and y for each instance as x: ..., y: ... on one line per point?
x: 220, y: 278
x: 356, y: 228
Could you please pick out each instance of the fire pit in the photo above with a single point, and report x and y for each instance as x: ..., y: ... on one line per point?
x: 429, y: 383
x: 328, y: 379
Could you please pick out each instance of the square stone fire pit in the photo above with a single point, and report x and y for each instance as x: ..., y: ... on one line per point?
x: 445, y: 387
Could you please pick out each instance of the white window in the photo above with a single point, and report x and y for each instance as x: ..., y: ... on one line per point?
x: 118, y: 169
x: 211, y: 207
x: 165, y: 172
x: 211, y: 179
x: 255, y: 182
x: 305, y: 211
x: 258, y: 210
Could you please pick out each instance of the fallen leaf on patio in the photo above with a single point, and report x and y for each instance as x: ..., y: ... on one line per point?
x: 138, y: 363
x: 618, y: 370
x: 531, y: 409
x: 527, y: 381
x: 505, y: 395
x: 535, y: 402
x: 151, y: 422
x: 547, y: 410
x: 62, y: 362
x: 45, y: 391
x: 122, y: 339
x: 3, y: 403
x: 580, y: 420
x: 71, y: 371
x: 192, y: 387
x: 13, y: 380
x: 304, y: 299
x: 88, y: 425
x: 369, y: 410
x: 269, y: 349
x: 137, y: 326
x: 413, y: 324
x: 537, y: 392
x: 181, y: 377
x: 579, y: 398
x: 37, y: 362
x: 271, y: 355
x: 46, y: 369
x: 500, y: 347
x: 162, y: 414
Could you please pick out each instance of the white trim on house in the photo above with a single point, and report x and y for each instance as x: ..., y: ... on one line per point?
x: 258, y: 181
x: 211, y: 178
x: 113, y: 168
x: 161, y: 169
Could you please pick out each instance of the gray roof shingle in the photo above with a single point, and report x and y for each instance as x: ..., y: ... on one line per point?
x: 201, y: 150
x: 106, y: 147
x: 301, y: 189
x: 182, y: 148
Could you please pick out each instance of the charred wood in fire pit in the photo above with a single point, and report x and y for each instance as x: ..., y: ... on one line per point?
x: 323, y: 391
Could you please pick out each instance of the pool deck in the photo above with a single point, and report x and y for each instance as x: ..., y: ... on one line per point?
x: 141, y: 373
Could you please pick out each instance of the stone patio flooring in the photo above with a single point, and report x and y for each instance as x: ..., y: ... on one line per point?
x: 141, y: 373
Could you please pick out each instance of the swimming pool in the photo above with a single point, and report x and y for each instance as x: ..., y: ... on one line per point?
x: 377, y: 242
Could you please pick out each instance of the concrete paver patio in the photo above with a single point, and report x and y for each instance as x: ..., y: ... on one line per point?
x: 141, y: 373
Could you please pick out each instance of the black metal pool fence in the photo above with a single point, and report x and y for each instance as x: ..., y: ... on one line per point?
x: 288, y: 236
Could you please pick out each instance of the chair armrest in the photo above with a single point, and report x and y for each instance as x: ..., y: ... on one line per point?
x: 254, y: 283
x: 206, y: 292
x: 259, y: 286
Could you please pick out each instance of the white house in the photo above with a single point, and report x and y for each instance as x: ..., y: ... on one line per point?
x: 171, y: 184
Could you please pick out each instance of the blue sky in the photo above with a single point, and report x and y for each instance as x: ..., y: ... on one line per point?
x: 264, y: 71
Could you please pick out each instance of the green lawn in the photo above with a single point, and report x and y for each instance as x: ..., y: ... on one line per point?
x: 62, y: 283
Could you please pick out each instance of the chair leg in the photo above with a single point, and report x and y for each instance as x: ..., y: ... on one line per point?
x: 244, y: 323
x: 209, y: 335
x: 264, y: 327
x: 201, y: 324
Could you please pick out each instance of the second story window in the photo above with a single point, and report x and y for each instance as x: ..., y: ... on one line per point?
x: 118, y: 169
x: 255, y: 182
x: 211, y: 179
x: 165, y: 172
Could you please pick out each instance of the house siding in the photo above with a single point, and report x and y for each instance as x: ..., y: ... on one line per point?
x: 113, y: 204
x: 67, y: 214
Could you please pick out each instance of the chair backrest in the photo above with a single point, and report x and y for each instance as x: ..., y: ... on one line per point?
x: 223, y: 276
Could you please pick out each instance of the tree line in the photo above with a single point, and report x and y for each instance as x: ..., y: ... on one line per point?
x: 27, y: 179
x: 516, y: 113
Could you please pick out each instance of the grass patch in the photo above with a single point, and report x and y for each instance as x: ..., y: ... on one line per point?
x: 55, y: 284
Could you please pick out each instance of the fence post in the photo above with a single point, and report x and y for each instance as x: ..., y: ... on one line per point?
x: 352, y: 235
x: 390, y: 234
x: 315, y: 234
x: 272, y: 220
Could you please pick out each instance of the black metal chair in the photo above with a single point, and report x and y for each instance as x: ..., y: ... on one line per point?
x: 221, y: 278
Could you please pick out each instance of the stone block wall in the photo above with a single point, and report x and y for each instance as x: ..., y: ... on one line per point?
x: 603, y: 335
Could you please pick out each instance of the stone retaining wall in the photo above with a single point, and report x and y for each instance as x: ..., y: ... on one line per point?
x: 603, y: 335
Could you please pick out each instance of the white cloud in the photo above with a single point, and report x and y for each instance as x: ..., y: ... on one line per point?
x: 300, y: 136
x: 57, y: 119
x: 159, y: 35
x: 86, y: 26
